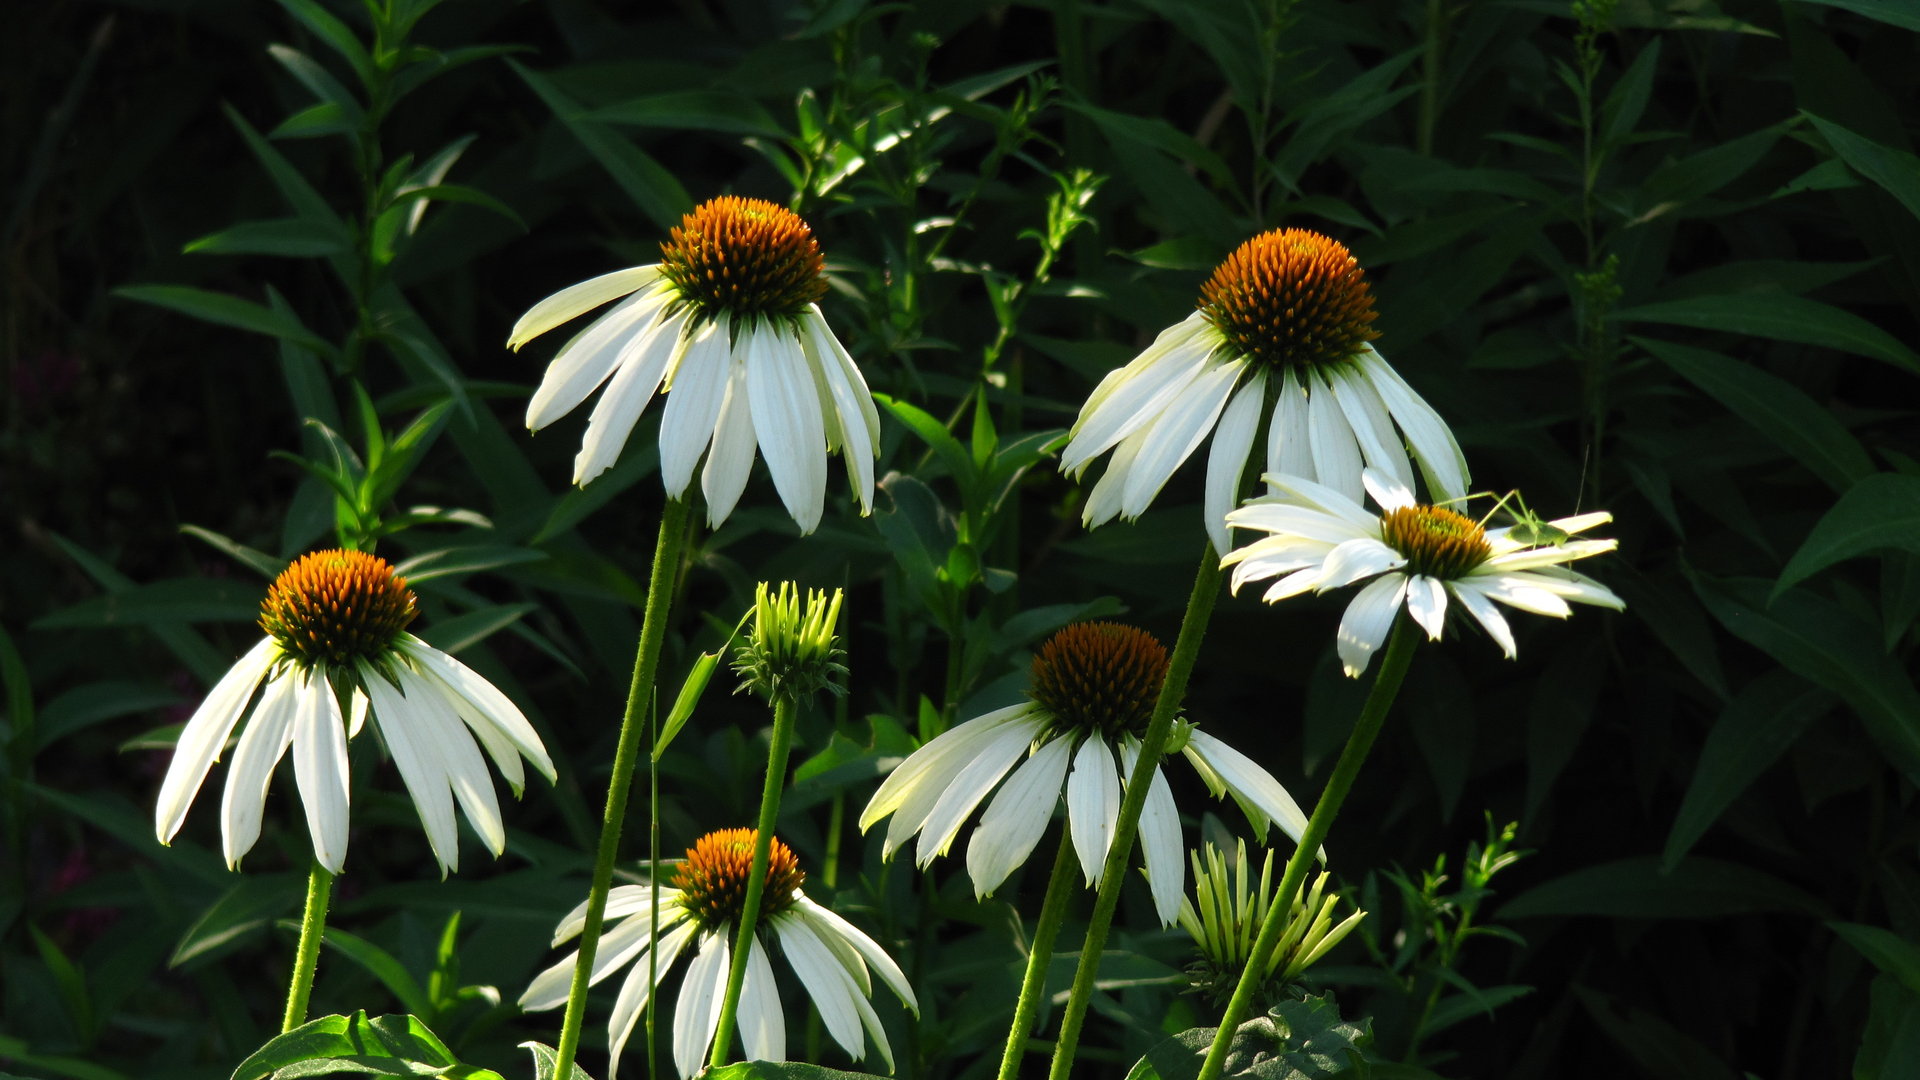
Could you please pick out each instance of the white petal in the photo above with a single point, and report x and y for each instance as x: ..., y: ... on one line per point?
x: 622, y: 901
x: 1533, y: 558
x: 990, y: 762
x: 466, y: 770
x: 1104, y: 501
x: 623, y: 941
x: 1355, y: 559
x: 613, y: 340
x: 693, y: 405
x: 1514, y: 591
x: 786, y: 417
x: 1387, y: 492
x: 1290, y: 586
x: 918, y: 803
x: 262, y: 743
x: 1428, y: 436
x: 1427, y: 603
x: 826, y: 981
x: 763, y: 1030
x: 358, y: 712
x: 935, y: 763
x: 576, y: 300
x: 1177, y: 432
x: 1336, y: 456
x: 420, y: 769
x: 489, y: 706
x: 1135, y: 395
x: 1227, y: 458
x: 631, y: 1003
x: 1307, y: 492
x: 643, y: 362
x: 1289, y: 445
x: 205, y: 734
x: 870, y: 950
x: 1017, y: 817
x: 1371, y: 423
x: 1159, y: 838
x: 1093, y: 805
x: 1250, y: 784
x: 697, y: 1011
x: 1482, y: 609
x: 724, y: 476
x: 320, y: 770
x: 846, y: 388
x: 1363, y: 629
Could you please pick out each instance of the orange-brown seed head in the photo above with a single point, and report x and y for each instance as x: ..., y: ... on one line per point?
x: 1291, y: 298
x: 713, y: 879
x: 1100, y: 676
x: 337, y: 607
x: 1437, y: 542
x: 745, y: 258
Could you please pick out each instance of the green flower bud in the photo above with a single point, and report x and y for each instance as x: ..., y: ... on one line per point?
x: 1225, y: 914
x: 792, y: 652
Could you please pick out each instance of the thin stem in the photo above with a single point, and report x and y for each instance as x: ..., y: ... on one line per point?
x: 783, y: 709
x: 313, y: 927
x: 1206, y: 589
x: 1053, y: 911
x: 1386, y: 685
x: 653, y: 874
x: 646, y: 660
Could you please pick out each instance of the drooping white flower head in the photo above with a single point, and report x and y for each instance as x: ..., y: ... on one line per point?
x: 727, y: 326
x: 1280, y: 341
x: 1416, y: 556
x: 701, y: 911
x: 1094, y: 688
x: 336, y: 631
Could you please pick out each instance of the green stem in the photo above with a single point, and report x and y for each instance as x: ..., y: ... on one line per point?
x: 1053, y: 911
x: 1206, y: 589
x: 646, y: 660
x: 1386, y: 685
x: 653, y: 875
x: 783, y: 709
x: 313, y: 927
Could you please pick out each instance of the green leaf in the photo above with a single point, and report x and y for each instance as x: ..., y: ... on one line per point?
x: 931, y: 431
x: 782, y: 1070
x: 267, y: 566
x: 301, y: 196
x: 1885, y: 949
x: 335, y: 33
x: 224, y: 310
x: 84, y: 706
x: 186, y: 600
x: 18, y: 1052
x: 652, y: 188
x: 1899, y: 13
x: 251, y: 904
x: 291, y: 237
x: 456, y: 193
x: 385, y: 1046
x: 1879, y: 513
x: 1779, y: 410
x: 1699, y: 175
x: 1782, y: 318
x: 381, y: 965
x: 1300, y: 1039
x: 546, y: 1058
x: 688, y: 699
x: 318, y: 81
x: 1826, y: 644
x: 1754, y: 729
x: 465, y: 559
x: 696, y: 110
x: 1890, y: 1045
x: 466, y: 630
x: 1461, y: 1007
x: 1895, y: 170
x: 1628, y: 98
x: 1636, y: 888
x: 68, y: 980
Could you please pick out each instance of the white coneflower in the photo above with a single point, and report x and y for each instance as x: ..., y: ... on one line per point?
x: 1416, y: 555
x: 1280, y: 339
x: 701, y: 909
x: 1093, y: 690
x: 336, y: 632
x: 725, y: 321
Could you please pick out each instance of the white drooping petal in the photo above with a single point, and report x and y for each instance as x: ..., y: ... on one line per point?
x: 489, y: 705
x: 1160, y: 845
x: 1352, y: 560
x: 584, y: 363
x: 697, y: 1011
x: 1514, y: 590
x: 623, y: 941
x: 1388, y: 492
x: 205, y: 734
x: 991, y: 760
x: 421, y: 770
x: 693, y: 405
x: 1227, y: 458
x: 1364, y: 626
x: 262, y: 743
x: 466, y: 770
x: 1093, y: 805
x: 1372, y: 425
x: 724, y: 476
x: 1336, y: 456
x: 1136, y: 395
x: 320, y: 770
x: 787, y: 419
x: 622, y: 901
x: 1289, y: 445
x: 763, y: 1030
x: 826, y: 980
x: 1427, y: 435
x: 1252, y: 786
x: 846, y: 388
x: 1307, y: 492
x: 357, y: 712
x: 934, y: 765
x: 1017, y: 817
x: 576, y: 300
x: 643, y: 361
x: 866, y: 947
x: 631, y: 1003
x: 1427, y: 603
x: 1177, y: 432
x: 1534, y: 558
x: 1104, y: 501
x: 1485, y: 613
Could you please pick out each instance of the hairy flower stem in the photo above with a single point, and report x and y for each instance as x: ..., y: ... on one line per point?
x: 1386, y: 685
x: 1053, y: 911
x: 1193, y: 627
x: 784, y: 707
x: 313, y: 927
x: 646, y: 661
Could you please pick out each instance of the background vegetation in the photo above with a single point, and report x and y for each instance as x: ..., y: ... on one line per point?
x: 1661, y: 258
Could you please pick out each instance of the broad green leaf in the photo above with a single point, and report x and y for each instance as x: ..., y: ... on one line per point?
x: 1782, y: 318
x: 1754, y: 729
x: 454, y: 193
x: 1895, y: 170
x: 466, y: 559
x: 697, y: 110
x: 291, y: 237
x: 1297, y: 1040
x: 931, y: 431
x: 267, y: 566
x: 546, y: 1058
x: 1699, y: 175
x: 318, y: 81
x: 335, y: 33
x: 186, y: 600
x: 380, y: 964
x: 252, y: 903
x: 1628, y: 98
x: 469, y: 629
x: 782, y: 1070
x: 1823, y: 642
x: 1879, y: 513
x: 1901, y: 13
x: 206, y: 662
x: 688, y: 699
x: 84, y: 706
x: 224, y: 310
x: 386, y: 1045
x: 1775, y: 407
x: 19, y: 1053
x: 301, y: 196
x: 1636, y: 888
x: 1885, y: 949
x: 652, y: 188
